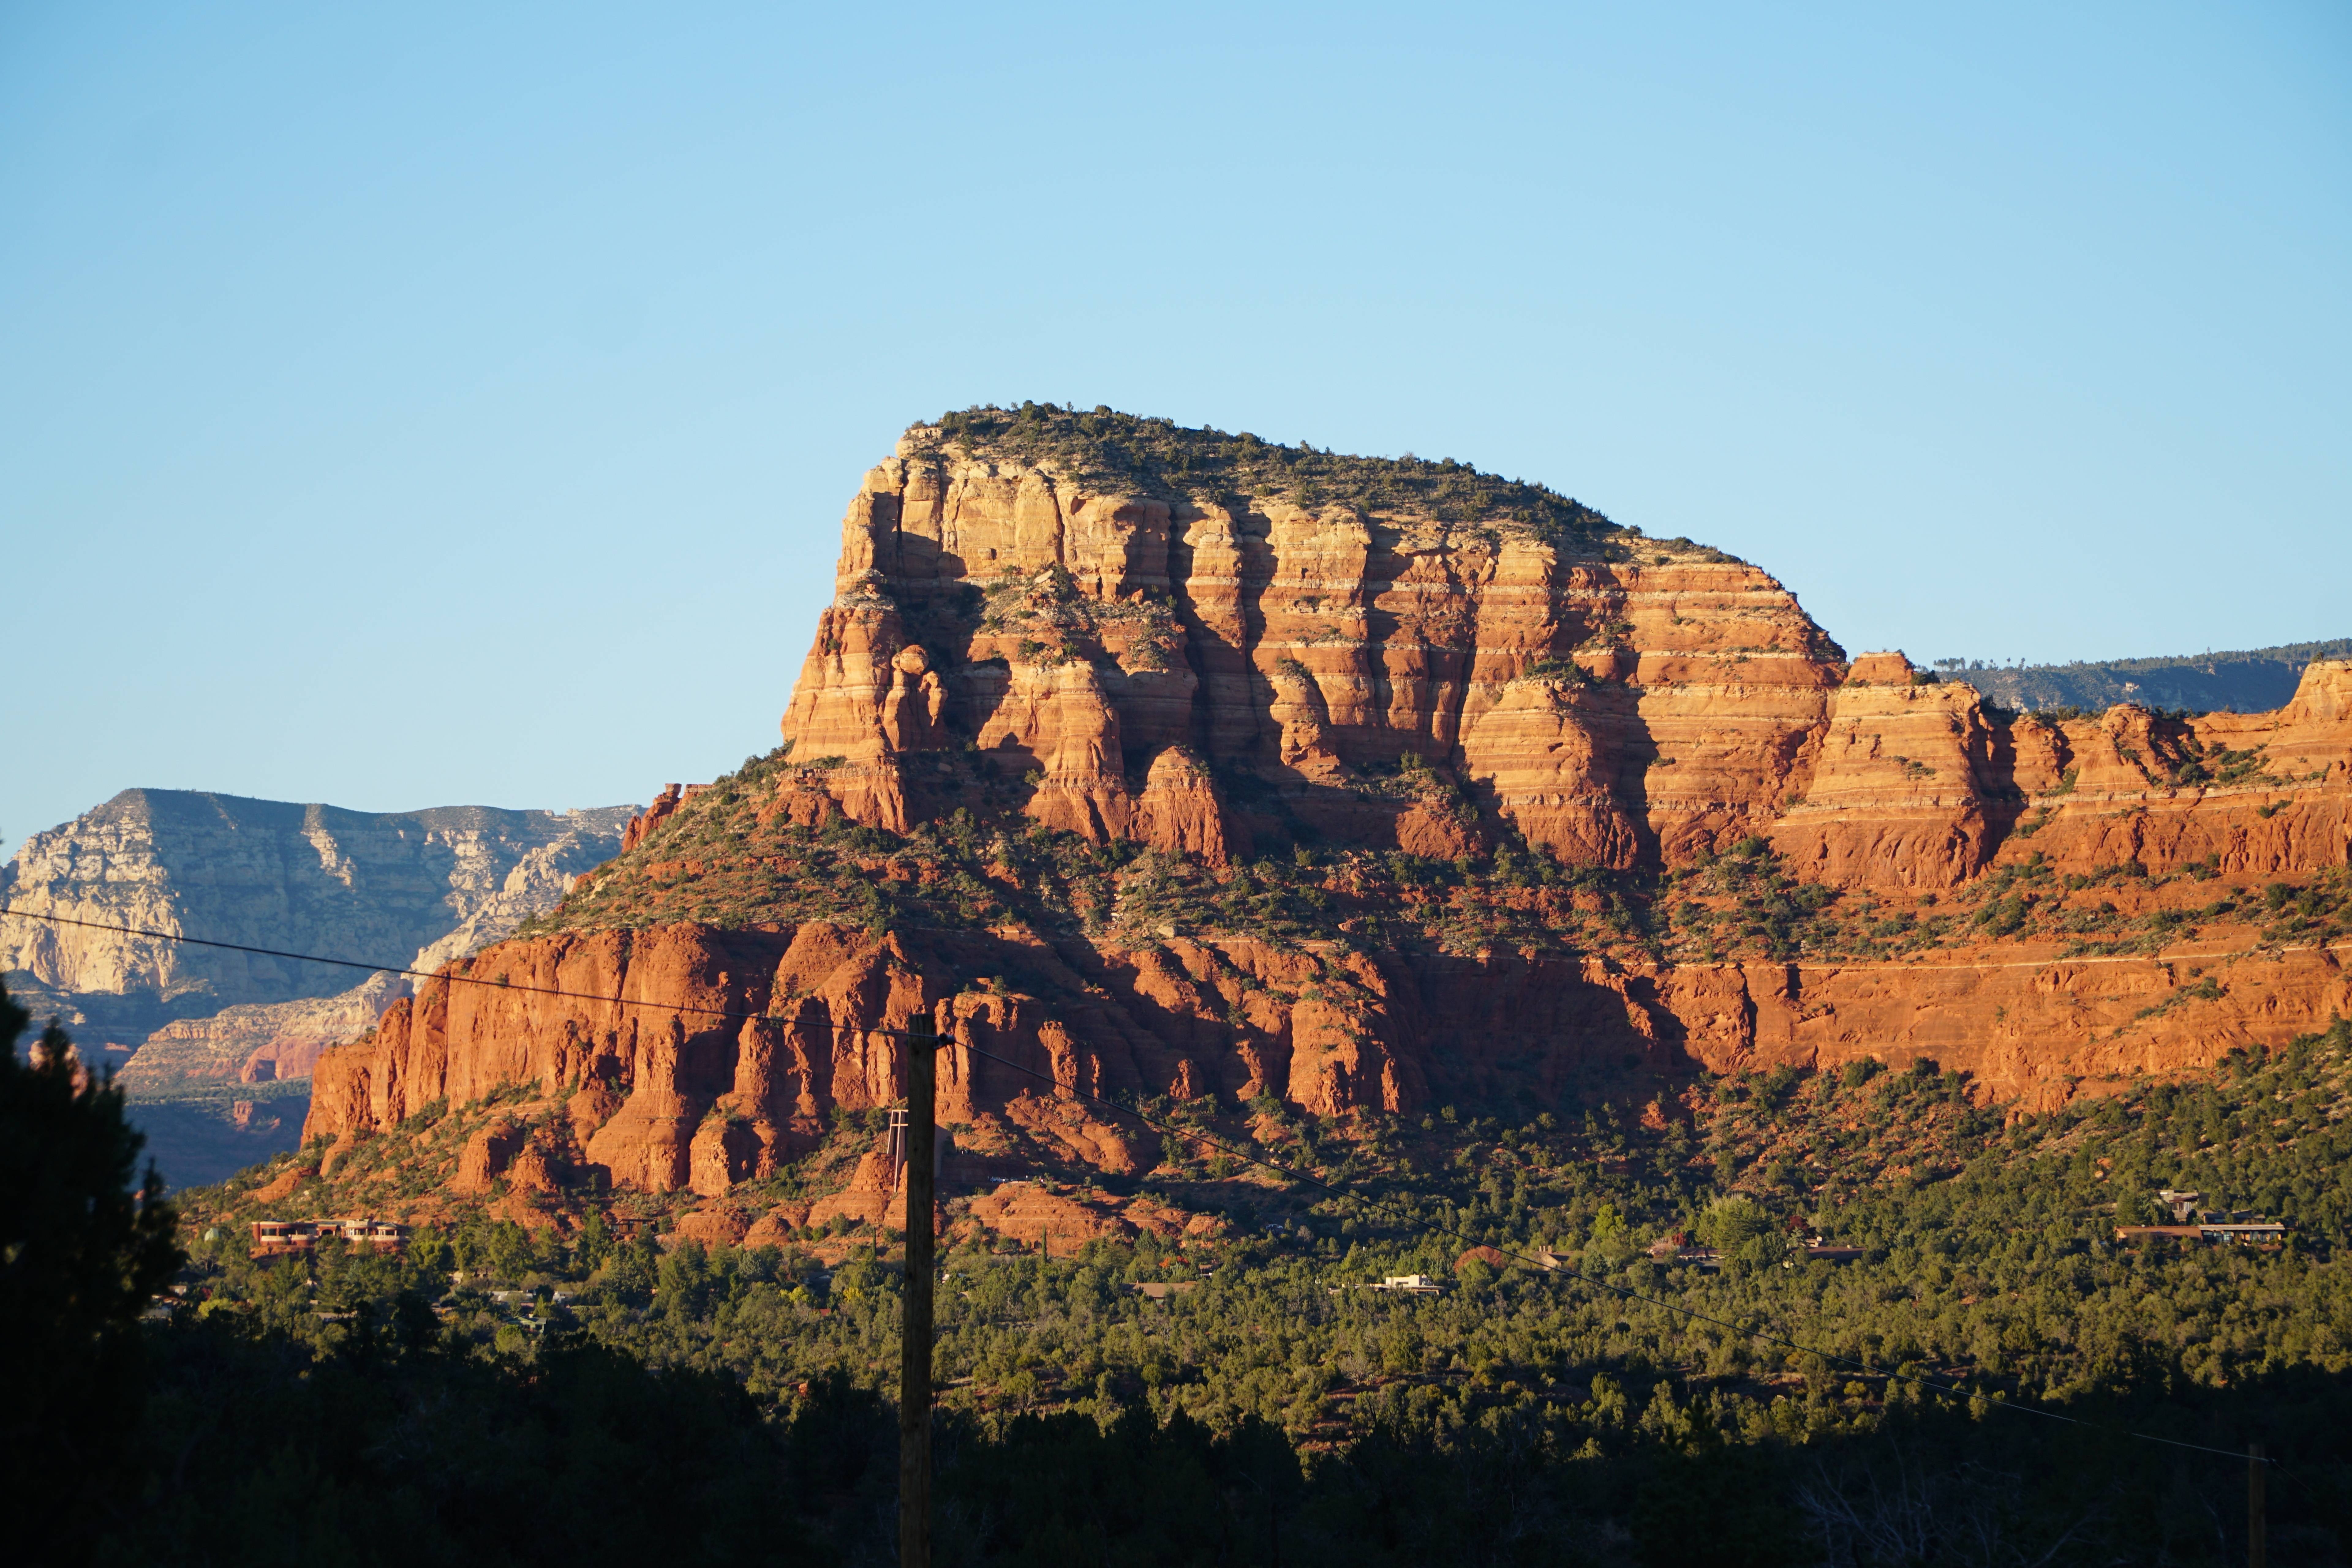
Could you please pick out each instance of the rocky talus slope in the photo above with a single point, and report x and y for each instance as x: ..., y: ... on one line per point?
x: 1174, y: 765
x: 408, y: 889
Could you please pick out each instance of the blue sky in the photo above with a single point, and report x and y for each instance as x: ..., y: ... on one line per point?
x: 412, y: 405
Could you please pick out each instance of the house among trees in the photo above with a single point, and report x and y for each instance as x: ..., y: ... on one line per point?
x: 276, y: 1237
x: 1676, y: 1247
x: 1161, y: 1289
x: 2193, y: 1224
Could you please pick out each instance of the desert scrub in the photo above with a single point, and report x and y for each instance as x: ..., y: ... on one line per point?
x: 1160, y: 457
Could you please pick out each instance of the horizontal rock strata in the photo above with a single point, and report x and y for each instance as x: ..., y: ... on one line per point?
x: 735, y: 1048
x: 1226, y: 677
x: 1123, y: 653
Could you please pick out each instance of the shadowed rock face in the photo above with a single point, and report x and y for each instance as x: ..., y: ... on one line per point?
x: 2252, y: 680
x: 1224, y: 677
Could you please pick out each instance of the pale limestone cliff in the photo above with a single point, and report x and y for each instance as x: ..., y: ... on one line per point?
x: 410, y: 889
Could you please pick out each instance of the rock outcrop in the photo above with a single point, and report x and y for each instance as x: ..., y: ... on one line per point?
x: 1221, y: 675
x: 1124, y: 653
x: 1902, y: 792
x: 2253, y: 795
x: 732, y: 1048
x: 1656, y: 703
x: 256, y: 1042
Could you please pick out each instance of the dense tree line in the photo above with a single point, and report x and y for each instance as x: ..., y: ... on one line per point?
x: 1525, y: 1415
x: 732, y: 1402
x: 393, y: 1446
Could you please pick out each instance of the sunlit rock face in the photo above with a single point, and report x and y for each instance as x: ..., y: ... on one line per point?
x: 1223, y: 673
x: 1632, y: 703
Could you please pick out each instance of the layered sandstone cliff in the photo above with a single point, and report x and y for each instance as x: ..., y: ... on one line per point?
x: 729, y: 1050
x: 1615, y: 705
x: 1020, y: 640
x: 2254, y: 795
x: 1635, y: 705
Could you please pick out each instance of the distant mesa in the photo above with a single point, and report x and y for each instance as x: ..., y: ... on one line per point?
x: 2251, y: 680
x: 1172, y: 763
x: 409, y: 890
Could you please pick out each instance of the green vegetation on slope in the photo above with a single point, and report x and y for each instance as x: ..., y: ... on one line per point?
x: 725, y: 859
x: 1160, y: 457
x: 1990, y: 1254
x: 1576, y: 1414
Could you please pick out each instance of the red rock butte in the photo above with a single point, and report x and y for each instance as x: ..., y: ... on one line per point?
x: 1234, y: 671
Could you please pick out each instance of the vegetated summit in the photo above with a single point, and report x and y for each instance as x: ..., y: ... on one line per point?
x: 1107, y: 450
x: 1217, y: 798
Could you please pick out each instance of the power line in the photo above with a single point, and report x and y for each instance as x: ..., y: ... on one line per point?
x: 444, y: 974
x: 449, y: 976
x: 1175, y: 1129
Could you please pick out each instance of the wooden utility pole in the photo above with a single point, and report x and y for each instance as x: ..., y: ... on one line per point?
x: 2257, y: 1525
x: 915, y: 1323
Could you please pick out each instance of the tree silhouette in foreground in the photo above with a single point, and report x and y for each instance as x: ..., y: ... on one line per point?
x: 81, y: 1255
